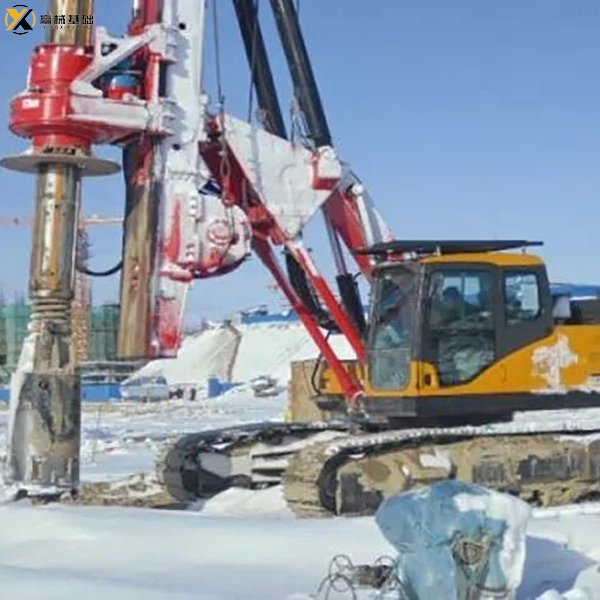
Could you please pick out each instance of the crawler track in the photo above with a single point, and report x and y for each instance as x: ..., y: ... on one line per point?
x: 353, y: 474
x: 200, y: 465
x: 327, y: 470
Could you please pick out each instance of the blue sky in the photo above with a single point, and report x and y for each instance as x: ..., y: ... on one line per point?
x: 465, y: 119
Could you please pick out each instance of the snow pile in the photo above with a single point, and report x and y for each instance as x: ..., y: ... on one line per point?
x: 268, y: 349
x: 242, y: 502
x: 241, y: 353
x: 208, y: 354
x: 17, y: 381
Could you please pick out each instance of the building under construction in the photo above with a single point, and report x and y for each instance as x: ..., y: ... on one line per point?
x: 96, y: 330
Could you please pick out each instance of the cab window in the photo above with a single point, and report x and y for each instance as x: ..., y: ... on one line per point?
x: 521, y: 297
x: 460, y: 333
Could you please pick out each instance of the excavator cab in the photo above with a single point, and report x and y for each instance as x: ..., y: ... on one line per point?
x: 466, y: 329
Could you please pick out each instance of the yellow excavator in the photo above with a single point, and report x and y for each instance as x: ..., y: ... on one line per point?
x: 461, y: 335
x: 465, y: 329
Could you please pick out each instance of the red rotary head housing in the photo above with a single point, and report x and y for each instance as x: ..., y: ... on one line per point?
x: 43, y: 111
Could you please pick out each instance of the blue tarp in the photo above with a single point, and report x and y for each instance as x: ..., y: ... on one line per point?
x: 216, y: 387
x: 429, y: 527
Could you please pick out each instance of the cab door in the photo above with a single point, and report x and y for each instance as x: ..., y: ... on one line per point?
x: 460, y: 321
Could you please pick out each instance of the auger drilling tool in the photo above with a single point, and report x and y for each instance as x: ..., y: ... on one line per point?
x: 45, y: 412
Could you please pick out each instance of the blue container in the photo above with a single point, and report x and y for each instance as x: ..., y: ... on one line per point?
x: 100, y: 392
x: 90, y: 392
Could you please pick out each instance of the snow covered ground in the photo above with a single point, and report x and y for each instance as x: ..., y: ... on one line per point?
x: 129, y: 554
x: 241, y: 544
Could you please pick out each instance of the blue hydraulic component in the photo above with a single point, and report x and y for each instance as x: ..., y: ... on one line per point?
x: 122, y: 80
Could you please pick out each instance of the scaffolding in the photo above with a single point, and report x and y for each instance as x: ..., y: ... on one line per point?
x: 15, y: 320
x: 103, y: 333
